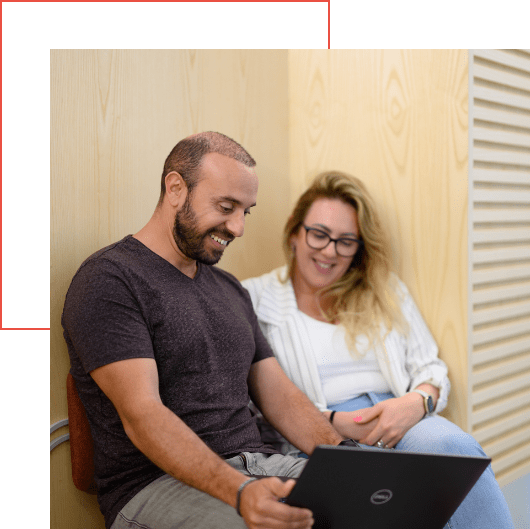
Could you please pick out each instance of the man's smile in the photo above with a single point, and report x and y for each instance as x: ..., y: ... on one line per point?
x: 218, y: 239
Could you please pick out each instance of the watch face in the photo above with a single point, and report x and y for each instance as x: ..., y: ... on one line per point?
x: 430, y: 404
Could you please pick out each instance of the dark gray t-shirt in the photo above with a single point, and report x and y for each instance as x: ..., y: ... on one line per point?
x: 127, y: 302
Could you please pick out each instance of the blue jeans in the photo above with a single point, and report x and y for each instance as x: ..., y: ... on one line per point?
x: 484, y: 507
x: 167, y: 503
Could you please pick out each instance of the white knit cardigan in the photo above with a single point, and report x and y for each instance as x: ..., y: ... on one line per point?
x: 406, y: 361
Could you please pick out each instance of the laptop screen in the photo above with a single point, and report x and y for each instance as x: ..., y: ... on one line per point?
x: 377, y: 489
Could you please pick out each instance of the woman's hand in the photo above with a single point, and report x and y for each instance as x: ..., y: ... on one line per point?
x: 348, y: 425
x: 394, y: 418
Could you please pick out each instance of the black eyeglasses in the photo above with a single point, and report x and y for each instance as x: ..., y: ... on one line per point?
x: 344, y: 246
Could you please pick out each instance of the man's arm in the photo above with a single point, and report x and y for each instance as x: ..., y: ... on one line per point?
x: 132, y: 386
x: 288, y: 409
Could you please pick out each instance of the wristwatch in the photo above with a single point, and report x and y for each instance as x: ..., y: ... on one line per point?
x: 428, y: 403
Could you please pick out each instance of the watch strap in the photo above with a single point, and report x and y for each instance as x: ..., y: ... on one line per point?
x: 426, y: 397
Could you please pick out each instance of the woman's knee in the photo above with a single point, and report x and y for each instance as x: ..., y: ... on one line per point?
x: 439, y: 436
x: 460, y: 443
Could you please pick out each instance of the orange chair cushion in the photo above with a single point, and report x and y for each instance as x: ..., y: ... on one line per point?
x: 81, y: 444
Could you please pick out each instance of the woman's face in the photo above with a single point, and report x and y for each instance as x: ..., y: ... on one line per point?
x: 315, y: 269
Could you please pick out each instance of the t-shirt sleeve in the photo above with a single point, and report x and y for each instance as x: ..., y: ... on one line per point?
x: 102, y: 318
x: 263, y: 349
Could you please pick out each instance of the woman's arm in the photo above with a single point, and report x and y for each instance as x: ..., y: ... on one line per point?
x: 422, y: 363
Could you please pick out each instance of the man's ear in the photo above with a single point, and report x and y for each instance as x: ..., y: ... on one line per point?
x: 176, y: 189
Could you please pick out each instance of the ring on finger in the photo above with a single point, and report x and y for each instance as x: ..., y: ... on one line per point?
x: 380, y: 444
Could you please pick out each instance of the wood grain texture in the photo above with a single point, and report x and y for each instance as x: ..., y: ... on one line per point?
x: 398, y: 120
x: 115, y: 116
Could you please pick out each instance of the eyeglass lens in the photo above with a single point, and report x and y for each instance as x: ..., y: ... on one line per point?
x: 318, y: 240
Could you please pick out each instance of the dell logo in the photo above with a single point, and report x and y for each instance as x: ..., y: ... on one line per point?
x: 381, y: 496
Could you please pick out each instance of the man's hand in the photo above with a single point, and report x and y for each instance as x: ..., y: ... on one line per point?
x: 261, y: 509
x: 395, y: 417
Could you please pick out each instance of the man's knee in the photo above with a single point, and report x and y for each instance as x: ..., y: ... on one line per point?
x: 167, y: 503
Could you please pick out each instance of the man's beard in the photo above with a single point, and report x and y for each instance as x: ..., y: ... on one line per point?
x: 191, y: 241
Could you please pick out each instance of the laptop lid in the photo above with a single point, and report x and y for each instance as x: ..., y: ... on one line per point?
x: 360, y: 488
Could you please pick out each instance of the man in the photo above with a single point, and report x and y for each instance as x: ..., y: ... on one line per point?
x: 166, y: 352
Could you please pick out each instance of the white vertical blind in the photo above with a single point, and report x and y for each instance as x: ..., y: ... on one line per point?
x: 499, y: 301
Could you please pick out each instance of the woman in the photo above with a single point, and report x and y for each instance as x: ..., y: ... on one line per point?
x: 348, y: 333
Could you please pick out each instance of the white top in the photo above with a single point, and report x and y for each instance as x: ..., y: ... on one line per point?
x: 342, y: 375
x: 405, y: 361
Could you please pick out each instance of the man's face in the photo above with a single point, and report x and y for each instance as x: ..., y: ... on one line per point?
x: 214, y: 214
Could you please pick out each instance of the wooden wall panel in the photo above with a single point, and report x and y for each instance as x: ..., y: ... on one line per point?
x: 398, y: 120
x: 115, y: 116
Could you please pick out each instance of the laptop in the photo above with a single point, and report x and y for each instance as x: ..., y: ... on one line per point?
x: 359, y: 488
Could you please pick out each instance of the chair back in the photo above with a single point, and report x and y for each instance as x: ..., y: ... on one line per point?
x: 81, y: 443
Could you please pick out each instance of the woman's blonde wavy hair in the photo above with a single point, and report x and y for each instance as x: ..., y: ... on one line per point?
x: 365, y: 297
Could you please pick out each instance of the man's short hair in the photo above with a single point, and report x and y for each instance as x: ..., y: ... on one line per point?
x: 186, y: 156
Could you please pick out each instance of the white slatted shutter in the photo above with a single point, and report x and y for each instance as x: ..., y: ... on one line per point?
x: 499, y: 297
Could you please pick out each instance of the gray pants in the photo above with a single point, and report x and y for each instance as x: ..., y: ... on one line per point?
x: 167, y: 503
